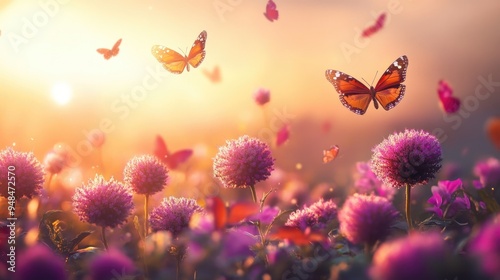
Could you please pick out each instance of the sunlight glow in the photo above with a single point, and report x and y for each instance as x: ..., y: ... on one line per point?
x: 61, y: 93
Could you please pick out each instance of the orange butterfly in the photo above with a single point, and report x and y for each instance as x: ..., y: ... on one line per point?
x: 330, y: 154
x: 108, y: 53
x: 214, y: 75
x: 356, y: 96
x: 175, y: 62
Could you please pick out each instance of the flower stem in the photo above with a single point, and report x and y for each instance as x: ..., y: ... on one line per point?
x: 408, y: 207
x: 146, y: 224
x: 103, y: 233
x: 254, y: 194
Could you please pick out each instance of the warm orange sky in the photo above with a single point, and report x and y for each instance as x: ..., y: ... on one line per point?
x: 453, y: 40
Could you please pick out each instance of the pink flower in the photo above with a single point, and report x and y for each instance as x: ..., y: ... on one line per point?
x: 368, y: 183
x: 316, y: 216
x: 262, y: 96
x: 173, y: 214
x: 146, y: 174
x: 488, y: 171
x: 442, y: 199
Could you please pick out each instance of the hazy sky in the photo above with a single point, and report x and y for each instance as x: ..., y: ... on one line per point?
x: 48, y: 42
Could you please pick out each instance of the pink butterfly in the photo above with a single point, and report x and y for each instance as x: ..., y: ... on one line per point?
x: 271, y: 13
x: 108, y: 53
x: 449, y: 103
x: 282, y: 135
x: 379, y: 23
x: 172, y: 160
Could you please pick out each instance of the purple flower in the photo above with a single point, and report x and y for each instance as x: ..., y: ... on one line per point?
x: 486, y: 247
x: 444, y: 197
x: 411, y: 157
x: 146, y: 174
x: 24, y: 172
x: 488, y: 172
x: 368, y: 183
x: 243, y: 162
x: 416, y: 257
x: 104, y: 203
x: 38, y: 261
x: 316, y: 216
x: 173, y: 214
x: 112, y: 265
x: 365, y: 219
x: 262, y: 96
x: 266, y: 216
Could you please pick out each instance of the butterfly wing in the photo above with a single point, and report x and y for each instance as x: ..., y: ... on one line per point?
x: 197, y: 52
x: 105, y: 52
x: 389, y: 89
x: 171, y: 60
x: 161, y: 150
x: 177, y: 158
x: 330, y: 154
x: 353, y: 94
x: 116, y: 47
x: 271, y: 13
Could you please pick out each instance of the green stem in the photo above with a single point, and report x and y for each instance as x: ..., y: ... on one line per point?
x: 103, y: 233
x: 408, y: 207
x: 146, y: 214
x: 254, y: 194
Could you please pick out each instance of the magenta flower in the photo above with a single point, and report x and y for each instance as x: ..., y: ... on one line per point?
x: 146, y: 174
x: 173, y: 214
x: 112, y: 264
x: 488, y: 172
x: 39, y: 262
x: 317, y: 216
x: 366, y: 219
x: 104, y: 203
x: 368, y: 183
x: 243, y: 162
x: 486, y: 247
x: 416, y: 257
x: 24, y: 170
x: 443, y: 198
x: 408, y: 158
x: 262, y: 96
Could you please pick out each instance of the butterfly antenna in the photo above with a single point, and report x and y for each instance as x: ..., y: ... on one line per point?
x: 374, y: 78
x: 364, y: 80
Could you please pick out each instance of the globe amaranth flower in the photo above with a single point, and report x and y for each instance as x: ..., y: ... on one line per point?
x: 24, y: 172
x: 39, y: 262
x: 103, y: 203
x: 444, y: 199
x: 365, y: 219
x: 408, y: 158
x: 112, y: 265
x: 485, y: 247
x: 262, y: 96
x: 243, y: 162
x: 317, y: 216
x: 415, y: 257
x: 173, y: 214
x: 146, y: 174
x: 488, y: 172
x: 366, y: 182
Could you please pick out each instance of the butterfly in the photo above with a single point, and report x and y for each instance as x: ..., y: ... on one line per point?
x: 214, y: 75
x: 356, y: 96
x: 379, y: 23
x: 108, y: 53
x: 172, y: 160
x: 271, y: 13
x: 493, y: 129
x: 175, y: 62
x: 282, y: 135
x: 330, y: 154
x: 449, y: 103
x: 233, y: 214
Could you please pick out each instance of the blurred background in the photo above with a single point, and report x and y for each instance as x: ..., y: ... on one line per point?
x: 56, y: 89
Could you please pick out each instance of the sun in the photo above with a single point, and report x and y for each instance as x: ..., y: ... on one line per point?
x: 61, y: 93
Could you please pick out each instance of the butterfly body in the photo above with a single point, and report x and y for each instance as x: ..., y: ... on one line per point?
x: 354, y: 95
x: 174, y: 62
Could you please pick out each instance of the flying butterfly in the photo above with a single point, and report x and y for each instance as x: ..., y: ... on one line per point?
x: 356, y: 96
x: 172, y: 160
x: 379, y: 23
x: 271, y: 13
x: 330, y: 154
x: 108, y: 53
x: 213, y: 75
x: 174, y: 62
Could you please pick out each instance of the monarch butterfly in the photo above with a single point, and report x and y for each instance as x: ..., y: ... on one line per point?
x: 356, y: 96
x: 108, y: 53
x: 330, y: 154
x: 175, y: 62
